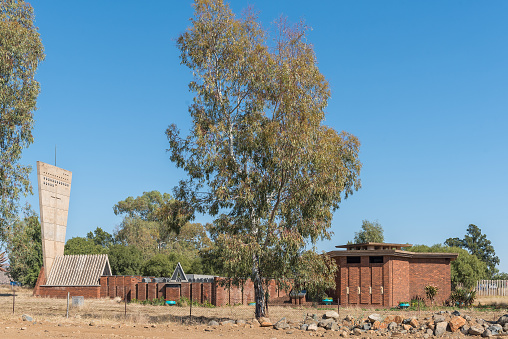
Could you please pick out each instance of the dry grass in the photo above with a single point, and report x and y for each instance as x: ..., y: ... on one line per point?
x: 111, y: 312
x: 493, y: 301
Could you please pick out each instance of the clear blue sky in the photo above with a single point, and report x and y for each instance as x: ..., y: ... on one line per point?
x: 422, y: 84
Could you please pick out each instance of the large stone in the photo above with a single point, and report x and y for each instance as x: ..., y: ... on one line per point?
x: 392, y: 326
x: 304, y: 327
x: 398, y: 319
x: 376, y: 325
x: 265, y: 322
x: 438, y: 318
x: 487, y: 333
x: 456, y: 313
x: 331, y: 315
x: 324, y: 322
x: 349, y: 317
x: 475, y: 330
x: 503, y: 320
x: 375, y: 317
x: 366, y: 326
x: 281, y: 324
x: 407, y: 327
x: 332, y: 326
x: 495, y: 329
x: 312, y: 327
x: 26, y: 317
x: 464, y: 330
x: 456, y: 322
x: 213, y: 323
x: 414, y: 322
x: 389, y: 318
x: 440, y: 328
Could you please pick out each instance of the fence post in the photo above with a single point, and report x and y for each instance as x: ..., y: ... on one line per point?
x: 125, y: 301
x: 13, y: 297
x: 190, y: 310
x: 68, y: 294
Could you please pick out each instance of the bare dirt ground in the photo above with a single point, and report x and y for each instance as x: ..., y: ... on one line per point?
x: 107, y: 318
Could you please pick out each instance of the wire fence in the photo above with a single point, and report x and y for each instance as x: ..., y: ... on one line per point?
x: 18, y: 301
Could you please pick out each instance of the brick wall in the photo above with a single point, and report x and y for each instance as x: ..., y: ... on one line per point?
x: 89, y: 292
x: 141, y: 291
x: 423, y: 272
x: 400, y: 281
x: 173, y: 292
x: 41, y: 280
x: 152, y: 291
x: 131, y: 287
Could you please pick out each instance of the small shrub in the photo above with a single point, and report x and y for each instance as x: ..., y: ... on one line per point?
x: 463, y: 297
x: 431, y: 292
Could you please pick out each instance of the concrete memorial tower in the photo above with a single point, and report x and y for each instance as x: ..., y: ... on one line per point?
x: 54, y: 193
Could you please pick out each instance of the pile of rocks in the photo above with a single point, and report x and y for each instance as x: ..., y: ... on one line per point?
x: 436, y: 324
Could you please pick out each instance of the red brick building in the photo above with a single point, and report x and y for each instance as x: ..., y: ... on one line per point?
x: 384, y: 275
x: 90, y: 276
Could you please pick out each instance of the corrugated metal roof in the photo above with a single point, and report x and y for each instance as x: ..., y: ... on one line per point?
x: 78, y: 270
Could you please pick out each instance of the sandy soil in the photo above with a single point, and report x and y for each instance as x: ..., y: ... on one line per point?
x: 107, y: 318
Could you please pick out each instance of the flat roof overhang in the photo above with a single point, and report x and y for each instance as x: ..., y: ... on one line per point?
x: 393, y: 253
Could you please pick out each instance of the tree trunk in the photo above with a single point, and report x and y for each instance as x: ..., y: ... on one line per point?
x: 259, y: 293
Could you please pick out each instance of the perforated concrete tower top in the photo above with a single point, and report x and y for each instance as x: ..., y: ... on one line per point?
x: 54, y: 193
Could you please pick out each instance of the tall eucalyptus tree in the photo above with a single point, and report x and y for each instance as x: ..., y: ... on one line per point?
x: 258, y: 156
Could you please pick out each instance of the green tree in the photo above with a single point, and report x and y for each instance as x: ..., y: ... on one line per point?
x: 125, y: 260
x: 142, y: 234
x: 101, y: 237
x: 163, y: 265
x: 21, y: 51
x: 371, y: 232
x: 258, y: 156
x: 24, y: 249
x: 157, y: 216
x: 80, y: 245
x: 467, y: 269
x: 477, y: 244
x: 501, y: 276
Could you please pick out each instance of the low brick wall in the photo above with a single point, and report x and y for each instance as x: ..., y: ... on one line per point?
x: 132, y: 287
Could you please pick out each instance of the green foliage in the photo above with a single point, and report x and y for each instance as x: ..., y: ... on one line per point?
x: 21, y: 51
x: 101, y: 237
x: 258, y: 156
x: 477, y: 244
x: 315, y: 274
x: 463, y: 297
x: 142, y: 234
x: 501, y: 276
x: 371, y: 232
x: 431, y: 292
x: 166, y: 214
x: 184, y: 302
x: 158, y: 266
x: 163, y: 265
x: 80, y: 245
x: 125, y: 260
x: 24, y: 249
x: 467, y: 269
